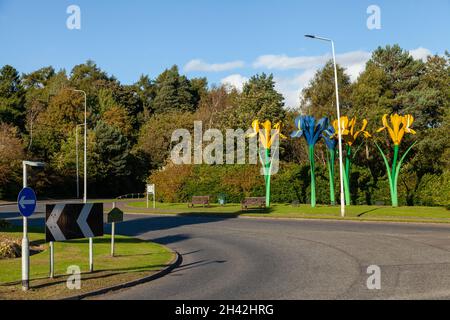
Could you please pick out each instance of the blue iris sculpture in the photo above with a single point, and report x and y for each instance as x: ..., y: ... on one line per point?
x: 312, y: 132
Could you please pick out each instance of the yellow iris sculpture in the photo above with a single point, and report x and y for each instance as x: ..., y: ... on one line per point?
x: 397, y: 129
x: 267, y: 135
x: 349, y: 136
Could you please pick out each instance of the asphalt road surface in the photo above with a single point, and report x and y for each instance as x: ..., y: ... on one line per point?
x: 248, y: 258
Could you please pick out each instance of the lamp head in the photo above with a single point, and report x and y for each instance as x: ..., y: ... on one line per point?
x: 309, y: 36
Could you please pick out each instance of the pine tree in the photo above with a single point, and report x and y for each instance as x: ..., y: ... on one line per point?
x: 12, y: 97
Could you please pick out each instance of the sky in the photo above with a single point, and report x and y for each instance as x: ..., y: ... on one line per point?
x: 226, y: 41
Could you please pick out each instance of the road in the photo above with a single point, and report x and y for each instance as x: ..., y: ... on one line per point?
x: 250, y: 258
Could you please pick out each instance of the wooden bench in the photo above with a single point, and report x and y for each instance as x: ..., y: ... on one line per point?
x: 260, y: 202
x: 203, y: 200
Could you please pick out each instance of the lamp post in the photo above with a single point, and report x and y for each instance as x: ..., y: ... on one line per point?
x: 76, y: 152
x: 25, y: 240
x: 339, y: 122
x: 91, y: 258
x: 85, y: 144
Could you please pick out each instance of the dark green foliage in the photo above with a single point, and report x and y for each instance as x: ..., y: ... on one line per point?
x: 259, y: 100
x: 109, y: 160
x: 174, y: 92
x: 12, y: 97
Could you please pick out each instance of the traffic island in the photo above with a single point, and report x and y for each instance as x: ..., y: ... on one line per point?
x: 416, y: 214
x: 135, y: 260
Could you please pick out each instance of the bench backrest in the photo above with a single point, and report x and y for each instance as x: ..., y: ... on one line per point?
x: 200, y: 199
x: 255, y: 200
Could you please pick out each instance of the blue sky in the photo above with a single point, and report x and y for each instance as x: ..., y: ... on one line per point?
x: 227, y: 41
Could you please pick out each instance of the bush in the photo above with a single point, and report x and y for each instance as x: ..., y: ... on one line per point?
x: 434, y: 190
x: 291, y: 183
x: 9, y: 248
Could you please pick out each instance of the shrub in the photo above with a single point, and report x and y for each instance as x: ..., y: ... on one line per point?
x: 9, y: 248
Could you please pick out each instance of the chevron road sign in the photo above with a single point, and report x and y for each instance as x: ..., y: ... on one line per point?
x: 73, y: 221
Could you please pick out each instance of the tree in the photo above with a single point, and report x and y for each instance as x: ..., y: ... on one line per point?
x: 11, y: 155
x: 213, y: 107
x: 402, y: 74
x: 174, y: 92
x: 118, y: 117
x: 258, y: 100
x: 12, y: 97
x: 37, y: 95
x: 155, y: 136
x: 108, y: 159
x: 146, y: 89
x: 57, y: 122
x: 319, y: 97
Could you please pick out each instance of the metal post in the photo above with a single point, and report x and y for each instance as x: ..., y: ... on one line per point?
x: 154, y: 198
x: 52, y: 259
x: 25, y: 256
x: 146, y: 196
x: 85, y: 149
x: 25, y: 243
x: 113, y: 231
x: 341, y: 171
x: 78, y: 175
x: 91, y: 255
x: 113, y: 227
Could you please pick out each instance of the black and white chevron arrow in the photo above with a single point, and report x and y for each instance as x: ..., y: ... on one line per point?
x: 73, y: 221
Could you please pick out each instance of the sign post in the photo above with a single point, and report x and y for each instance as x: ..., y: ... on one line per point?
x: 151, y: 190
x: 52, y: 259
x: 115, y: 215
x: 26, y: 201
x: 27, y: 204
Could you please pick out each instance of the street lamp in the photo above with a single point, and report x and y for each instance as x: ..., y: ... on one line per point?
x: 339, y: 122
x: 76, y: 148
x: 91, y: 254
x: 85, y: 145
x: 25, y: 241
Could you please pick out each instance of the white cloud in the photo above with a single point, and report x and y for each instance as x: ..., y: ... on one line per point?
x: 420, y: 53
x: 234, y: 80
x: 200, y: 65
x: 284, y: 62
x: 291, y: 87
x: 354, y: 62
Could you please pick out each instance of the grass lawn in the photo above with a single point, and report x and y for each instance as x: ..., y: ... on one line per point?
x: 378, y: 213
x: 134, y: 259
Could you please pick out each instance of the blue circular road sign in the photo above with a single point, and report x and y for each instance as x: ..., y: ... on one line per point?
x: 26, y: 201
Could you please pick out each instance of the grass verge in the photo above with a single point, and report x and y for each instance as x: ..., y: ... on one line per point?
x: 133, y: 259
x: 363, y: 212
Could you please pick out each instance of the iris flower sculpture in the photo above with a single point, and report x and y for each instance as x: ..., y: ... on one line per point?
x: 312, y: 132
x: 331, y: 142
x: 399, y: 126
x: 267, y: 136
x: 349, y: 136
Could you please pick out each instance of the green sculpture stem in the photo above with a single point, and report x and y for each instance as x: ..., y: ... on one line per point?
x: 313, y: 176
x: 394, y: 171
x: 267, y: 170
x: 330, y: 164
x: 394, y: 161
x: 347, y: 175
